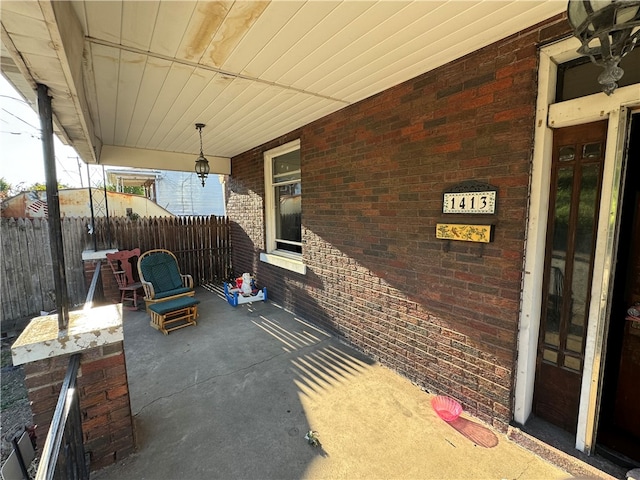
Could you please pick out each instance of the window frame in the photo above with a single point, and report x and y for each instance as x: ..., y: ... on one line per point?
x: 272, y: 255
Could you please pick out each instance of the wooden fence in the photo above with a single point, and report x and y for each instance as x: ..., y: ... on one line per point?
x: 27, y: 269
x: 201, y: 244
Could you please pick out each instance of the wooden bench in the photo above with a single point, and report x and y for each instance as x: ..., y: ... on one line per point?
x: 174, y: 314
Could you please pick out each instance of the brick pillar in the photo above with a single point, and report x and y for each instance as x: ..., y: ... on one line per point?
x: 90, y: 260
x: 107, y: 423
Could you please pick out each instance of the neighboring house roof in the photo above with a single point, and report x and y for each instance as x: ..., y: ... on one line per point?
x: 74, y: 202
x: 131, y: 177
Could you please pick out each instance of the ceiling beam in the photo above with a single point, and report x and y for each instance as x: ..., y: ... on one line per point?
x: 224, y: 73
x: 67, y: 39
x: 159, y: 160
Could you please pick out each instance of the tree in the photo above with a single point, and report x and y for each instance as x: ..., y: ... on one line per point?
x: 5, y: 188
x: 133, y: 189
x: 38, y: 187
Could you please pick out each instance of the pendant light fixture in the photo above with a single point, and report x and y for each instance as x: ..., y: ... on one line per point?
x: 608, y: 30
x: 202, y: 164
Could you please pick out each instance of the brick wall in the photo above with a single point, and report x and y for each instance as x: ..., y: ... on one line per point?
x: 107, y: 423
x: 373, y: 174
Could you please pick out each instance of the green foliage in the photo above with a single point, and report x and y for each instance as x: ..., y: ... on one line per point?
x: 133, y: 189
x: 8, y: 190
x: 39, y: 187
x: 5, y: 187
x: 586, y: 203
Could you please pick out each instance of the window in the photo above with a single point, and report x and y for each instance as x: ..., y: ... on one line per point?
x: 579, y: 77
x: 283, y: 207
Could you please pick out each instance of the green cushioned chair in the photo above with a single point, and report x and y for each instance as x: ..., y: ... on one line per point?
x: 161, y: 278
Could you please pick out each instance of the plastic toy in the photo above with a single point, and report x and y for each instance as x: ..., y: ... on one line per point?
x: 244, y: 290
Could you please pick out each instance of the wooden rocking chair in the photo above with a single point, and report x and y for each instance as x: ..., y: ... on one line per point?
x: 120, y: 263
x: 161, y: 277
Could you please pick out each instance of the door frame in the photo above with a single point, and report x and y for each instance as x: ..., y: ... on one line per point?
x: 550, y: 115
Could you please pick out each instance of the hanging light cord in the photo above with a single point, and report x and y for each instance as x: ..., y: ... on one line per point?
x: 200, y: 130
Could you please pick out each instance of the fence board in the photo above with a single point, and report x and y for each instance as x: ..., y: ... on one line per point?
x: 39, y: 259
x: 74, y: 245
x: 5, y: 306
x: 29, y: 258
x: 9, y: 296
x: 44, y: 265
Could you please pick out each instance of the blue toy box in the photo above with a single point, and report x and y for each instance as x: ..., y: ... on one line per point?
x: 234, y: 293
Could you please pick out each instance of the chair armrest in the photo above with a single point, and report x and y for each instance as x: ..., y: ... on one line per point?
x: 187, y: 281
x: 149, y: 292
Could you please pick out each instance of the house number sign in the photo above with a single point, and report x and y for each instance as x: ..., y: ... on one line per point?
x: 470, y: 197
x: 470, y: 202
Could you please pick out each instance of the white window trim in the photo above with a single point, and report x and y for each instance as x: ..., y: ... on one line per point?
x: 273, y: 256
x: 279, y: 259
x: 573, y: 112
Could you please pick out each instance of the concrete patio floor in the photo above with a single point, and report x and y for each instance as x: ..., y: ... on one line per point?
x: 234, y: 396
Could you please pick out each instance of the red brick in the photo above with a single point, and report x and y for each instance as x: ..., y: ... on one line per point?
x: 37, y: 381
x: 113, y: 348
x: 88, y: 378
x: 117, y: 392
x: 124, y: 412
x: 103, y: 386
x: 106, y: 407
x: 96, y: 424
x: 525, y: 111
x: 96, y: 398
x: 103, y: 363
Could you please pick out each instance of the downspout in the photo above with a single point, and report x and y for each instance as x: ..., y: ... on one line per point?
x: 53, y: 203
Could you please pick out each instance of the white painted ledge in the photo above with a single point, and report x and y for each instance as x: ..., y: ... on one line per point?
x: 88, y: 255
x: 87, y: 329
x: 284, y: 262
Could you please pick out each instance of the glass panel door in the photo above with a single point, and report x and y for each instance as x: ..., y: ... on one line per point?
x: 573, y: 214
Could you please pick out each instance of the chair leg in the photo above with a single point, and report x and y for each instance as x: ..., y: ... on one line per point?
x: 132, y: 297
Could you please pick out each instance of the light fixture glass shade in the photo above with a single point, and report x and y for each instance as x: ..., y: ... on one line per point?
x: 202, y: 168
x: 608, y: 30
x: 202, y: 164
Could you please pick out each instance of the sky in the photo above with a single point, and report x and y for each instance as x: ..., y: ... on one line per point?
x: 21, y: 158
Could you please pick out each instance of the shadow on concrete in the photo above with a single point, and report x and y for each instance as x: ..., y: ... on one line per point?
x: 234, y: 396
x: 478, y: 434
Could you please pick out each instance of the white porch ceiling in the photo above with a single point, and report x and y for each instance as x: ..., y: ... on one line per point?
x: 130, y: 78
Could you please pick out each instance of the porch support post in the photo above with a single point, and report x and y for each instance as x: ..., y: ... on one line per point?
x: 53, y: 203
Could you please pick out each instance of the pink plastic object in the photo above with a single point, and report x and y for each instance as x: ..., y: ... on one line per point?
x: 446, y: 407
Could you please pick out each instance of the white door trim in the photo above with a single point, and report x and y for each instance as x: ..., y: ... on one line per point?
x: 549, y: 115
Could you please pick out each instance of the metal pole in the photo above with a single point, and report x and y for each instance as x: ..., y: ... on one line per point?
x: 106, y: 206
x: 80, y: 172
x: 53, y: 203
x: 93, y: 217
